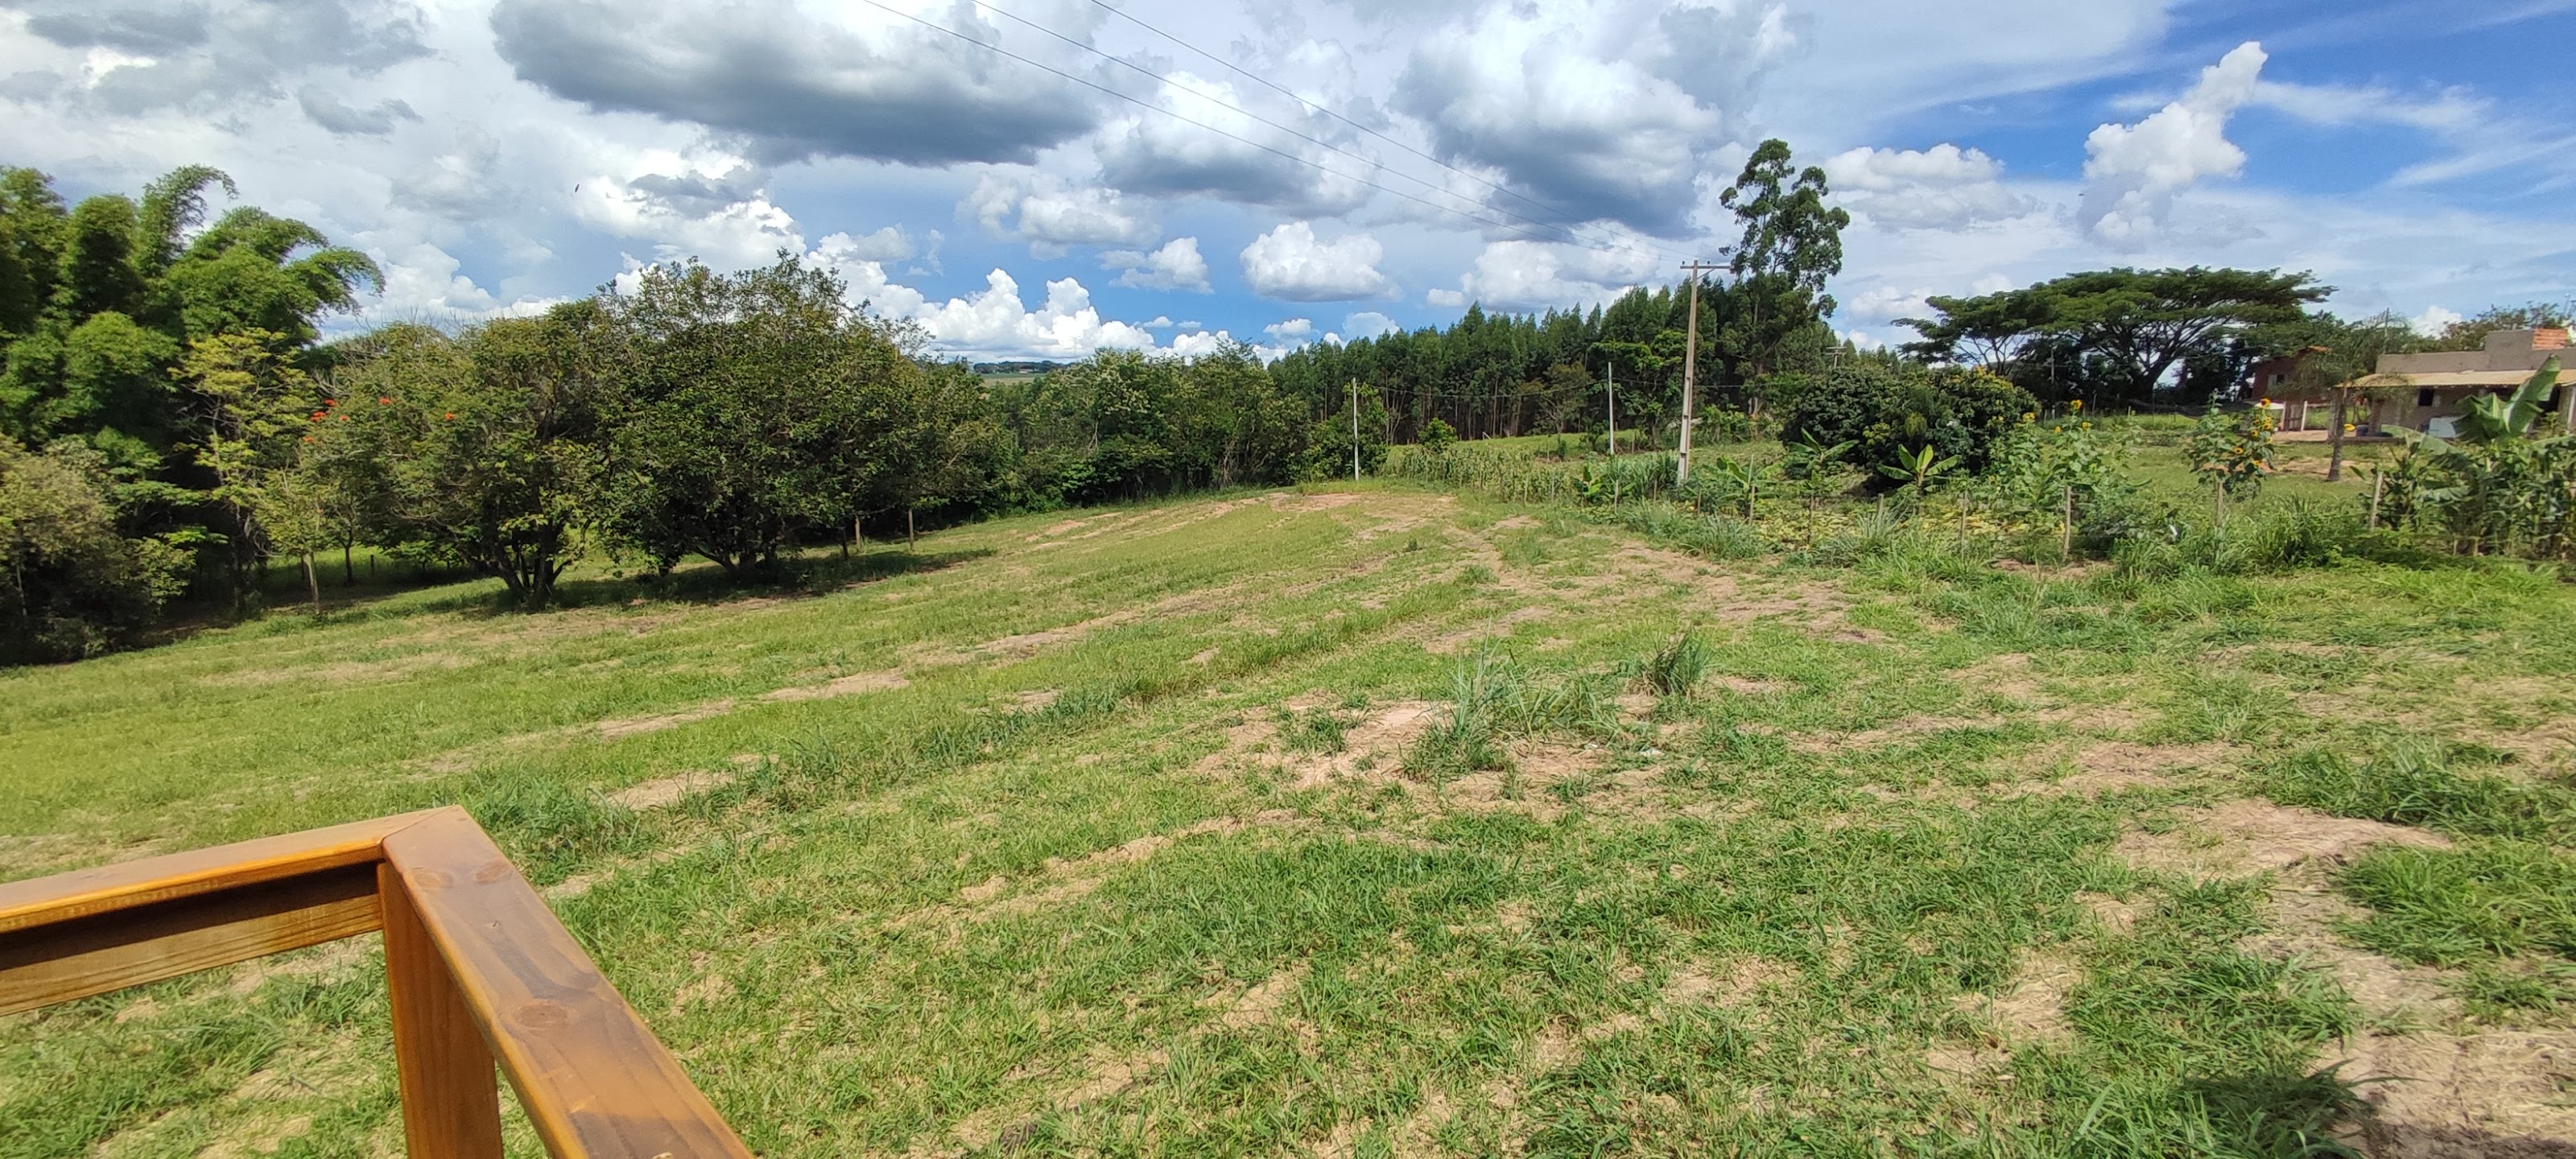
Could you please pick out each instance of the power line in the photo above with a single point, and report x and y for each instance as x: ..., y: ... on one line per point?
x: 1140, y: 103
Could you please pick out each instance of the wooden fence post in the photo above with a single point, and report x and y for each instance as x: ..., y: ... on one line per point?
x: 451, y: 1100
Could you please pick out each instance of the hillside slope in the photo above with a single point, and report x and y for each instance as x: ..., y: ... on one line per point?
x: 1353, y: 822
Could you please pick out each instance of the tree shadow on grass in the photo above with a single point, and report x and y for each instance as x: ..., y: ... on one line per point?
x: 705, y: 585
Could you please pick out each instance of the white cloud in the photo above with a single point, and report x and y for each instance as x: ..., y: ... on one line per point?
x: 423, y: 284
x: 1293, y: 329
x: 889, y: 244
x: 994, y: 321
x: 1176, y: 266
x: 2433, y: 320
x: 1943, y: 187
x: 1368, y: 324
x: 1882, y: 303
x: 1052, y: 214
x: 2449, y: 110
x: 1239, y: 159
x: 1292, y: 264
x: 1160, y: 322
x: 1529, y: 275
x: 2133, y: 172
x: 1604, y: 109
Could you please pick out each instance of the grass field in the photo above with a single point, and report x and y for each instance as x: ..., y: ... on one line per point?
x: 1382, y: 821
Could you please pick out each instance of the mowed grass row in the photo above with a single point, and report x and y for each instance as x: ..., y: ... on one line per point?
x: 1352, y: 823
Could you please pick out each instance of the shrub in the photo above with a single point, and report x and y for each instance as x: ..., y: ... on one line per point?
x: 70, y: 584
x: 1881, y: 410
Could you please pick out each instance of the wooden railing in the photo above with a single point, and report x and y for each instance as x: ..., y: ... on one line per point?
x: 477, y: 968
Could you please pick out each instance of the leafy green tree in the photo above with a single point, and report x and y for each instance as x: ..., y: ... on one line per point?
x: 1791, y: 244
x: 490, y: 449
x: 72, y: 584
x: 757, y: 405
x: 251, y: 408
x: 2138, y: 324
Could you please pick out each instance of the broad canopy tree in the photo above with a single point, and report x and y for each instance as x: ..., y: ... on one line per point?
x: 2138, y: 325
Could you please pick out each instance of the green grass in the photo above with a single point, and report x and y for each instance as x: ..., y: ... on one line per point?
x: 1374, y: 821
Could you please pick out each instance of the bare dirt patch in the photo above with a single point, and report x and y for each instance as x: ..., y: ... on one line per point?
x: 2253, y: 834
x: 2105, y: 767
x: 343, y: 672
x: 662, y: 791
x: 637, y: 726
x: 850, y: 685
x: 1728, y: 982
x: 2437, y: 1085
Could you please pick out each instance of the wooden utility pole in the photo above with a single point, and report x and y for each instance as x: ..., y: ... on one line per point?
x: 1690, y: 370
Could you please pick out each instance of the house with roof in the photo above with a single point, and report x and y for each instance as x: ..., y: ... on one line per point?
x: 2420, y: 392
x: 2432, y: 386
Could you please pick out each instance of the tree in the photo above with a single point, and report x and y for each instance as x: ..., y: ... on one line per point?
x: 2139, y: 324
x: 756, y: 405
x: 1791, y: 243
x: 1991, y: 330
x: 72, y: 584
x: 249, y: 403
x: 2470, y: 333
x: 2345, y: 360
x: 490, y: 449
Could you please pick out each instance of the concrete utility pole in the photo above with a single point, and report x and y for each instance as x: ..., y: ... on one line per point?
x: 1614, y: 410
x: 1614, y: 434
x: 1355, y: 430
x: 1690, y: 370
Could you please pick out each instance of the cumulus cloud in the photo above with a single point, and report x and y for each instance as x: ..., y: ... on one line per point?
x: 424, y: 283
x: 994, y: 321
x: 2433, y: 320
x: 2133, y: 172
x: 710, y: 208
x: 1601, y: 108
x: 1292, y: 264
x: 1052, y: 214
x: 793, y: 86
x: 1149, y: 153
x: 1176, y: 266
x: 201, y: 56
x: 1528, y: 275
x: 340, y: 118
x: 1943, y: 187
x: 1368, y: 324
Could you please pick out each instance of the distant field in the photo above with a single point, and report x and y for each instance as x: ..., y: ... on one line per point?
x: 1383, y: 821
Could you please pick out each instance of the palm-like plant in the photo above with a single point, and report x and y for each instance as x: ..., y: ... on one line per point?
x: 1918, y: 468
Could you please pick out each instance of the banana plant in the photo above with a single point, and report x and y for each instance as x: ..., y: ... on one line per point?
x: 2495, y: 418
x: 1918, y: 468
x: 1742, y: 479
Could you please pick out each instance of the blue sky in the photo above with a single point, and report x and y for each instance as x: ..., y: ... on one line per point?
x: 496, y: 155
